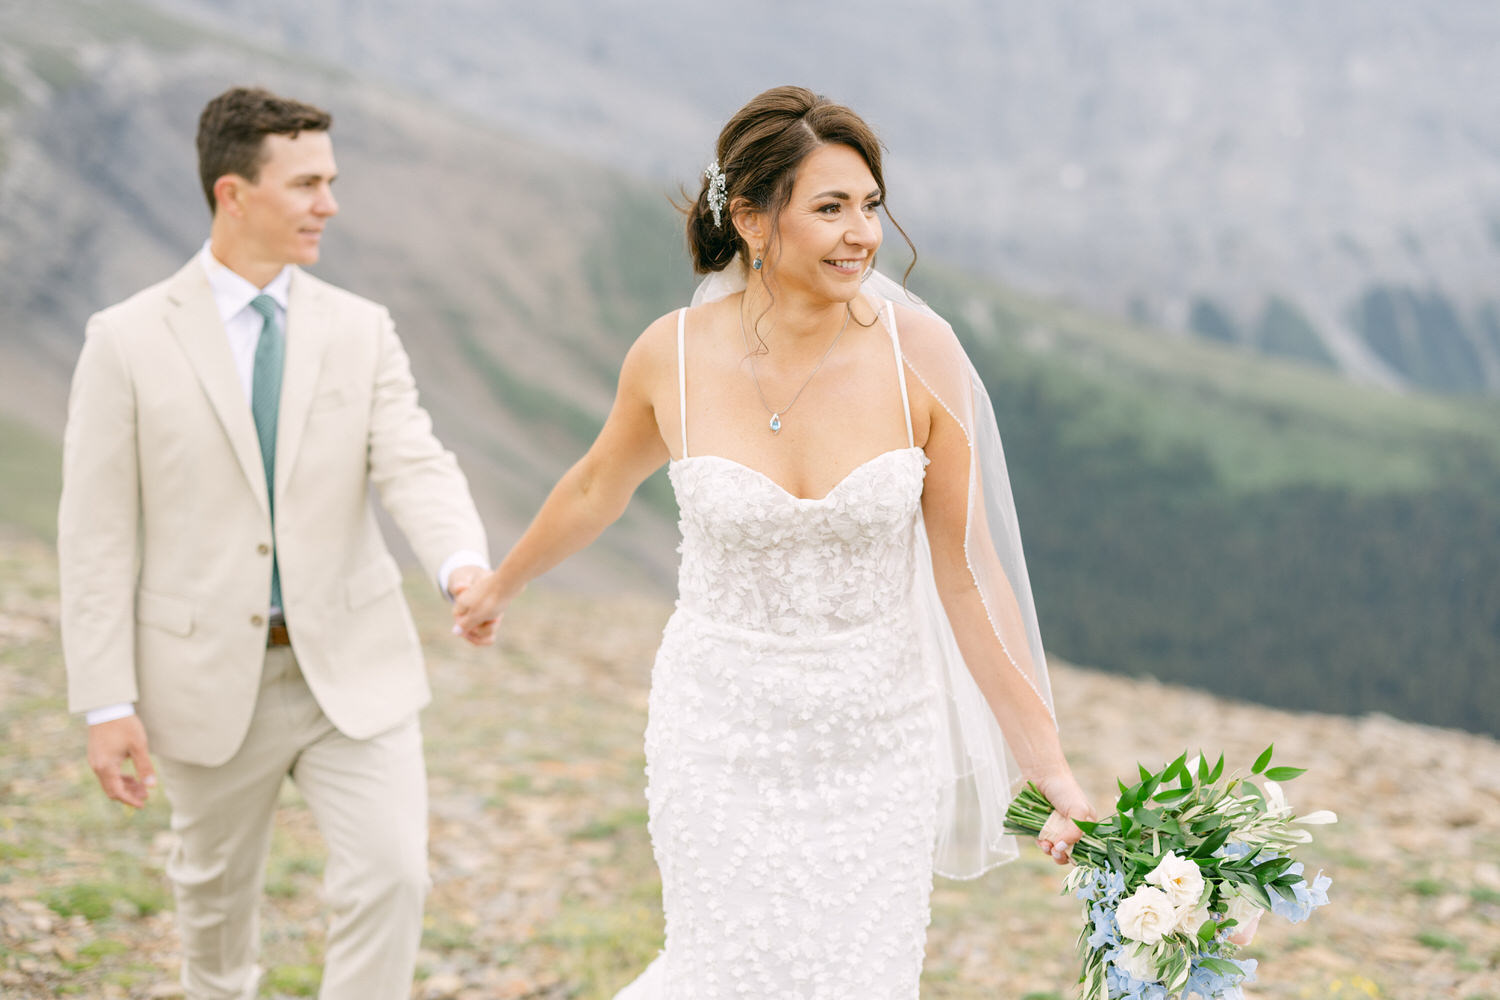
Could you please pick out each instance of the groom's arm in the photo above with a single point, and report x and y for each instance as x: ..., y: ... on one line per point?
x: 419, y: 481
x: 98, y: 527
x: 98, y: 551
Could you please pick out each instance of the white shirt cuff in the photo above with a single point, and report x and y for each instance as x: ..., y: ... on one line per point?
x: 464, y: 557
x: 109, y: 713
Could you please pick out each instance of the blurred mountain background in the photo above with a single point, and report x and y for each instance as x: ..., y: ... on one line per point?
x: 1228, y: 272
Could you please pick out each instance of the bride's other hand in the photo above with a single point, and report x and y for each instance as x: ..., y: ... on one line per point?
x: 477, y: 608
x: 1060, y: 833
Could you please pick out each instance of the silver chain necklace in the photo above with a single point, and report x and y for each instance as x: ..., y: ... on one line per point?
x: 775, y: 423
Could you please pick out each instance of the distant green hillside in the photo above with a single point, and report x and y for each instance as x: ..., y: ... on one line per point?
x: 1262, y: 530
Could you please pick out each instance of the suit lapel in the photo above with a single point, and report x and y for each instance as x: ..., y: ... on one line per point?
x: 194, y: 321
x: 307, y: 335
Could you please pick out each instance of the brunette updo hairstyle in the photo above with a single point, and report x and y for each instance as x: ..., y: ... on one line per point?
x: 759, y: 151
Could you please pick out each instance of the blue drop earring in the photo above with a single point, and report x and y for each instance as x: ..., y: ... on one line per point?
x: 756, y: 262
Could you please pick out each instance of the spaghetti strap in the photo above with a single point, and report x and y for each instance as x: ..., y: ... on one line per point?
x: 890, y: 312
x: 682, y: 381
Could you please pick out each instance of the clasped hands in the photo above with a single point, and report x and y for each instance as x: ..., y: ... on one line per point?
x: 477, y: 604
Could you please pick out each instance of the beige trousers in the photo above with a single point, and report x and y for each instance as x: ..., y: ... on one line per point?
x: 369, y: 799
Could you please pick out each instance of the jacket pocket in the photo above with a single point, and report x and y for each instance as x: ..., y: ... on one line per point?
x: 375, y: 580
x: 170, y: 614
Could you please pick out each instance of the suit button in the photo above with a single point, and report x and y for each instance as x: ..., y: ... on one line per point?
x: 263, y: 549
x: 257, y: 621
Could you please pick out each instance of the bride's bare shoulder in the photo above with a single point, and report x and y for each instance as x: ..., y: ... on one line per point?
x: 653, y: 356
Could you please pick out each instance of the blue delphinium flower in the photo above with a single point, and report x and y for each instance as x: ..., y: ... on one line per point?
x: 1123, y: 986
x: 1113, y: 884
x: 1106, y: 928
x: 1211, y: 985
x: 1306, y: 898
x: 1234, y: 850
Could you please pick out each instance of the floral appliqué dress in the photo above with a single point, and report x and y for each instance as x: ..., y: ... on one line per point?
x: 789, y: 751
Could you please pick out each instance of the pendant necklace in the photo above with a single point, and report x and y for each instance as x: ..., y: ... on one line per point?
x: 775, y: 422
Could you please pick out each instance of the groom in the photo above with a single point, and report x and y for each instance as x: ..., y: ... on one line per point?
x: 229, y: 609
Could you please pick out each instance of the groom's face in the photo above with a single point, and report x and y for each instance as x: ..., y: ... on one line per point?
x: 291, y: 200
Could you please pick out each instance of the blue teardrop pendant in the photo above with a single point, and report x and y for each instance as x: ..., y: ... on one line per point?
x: 775, y: 423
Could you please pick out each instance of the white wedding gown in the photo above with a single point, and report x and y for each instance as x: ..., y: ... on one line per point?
x: 791, y: 776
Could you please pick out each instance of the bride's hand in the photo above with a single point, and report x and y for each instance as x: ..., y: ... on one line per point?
x: 477, y: 608
x: 1060, y: 833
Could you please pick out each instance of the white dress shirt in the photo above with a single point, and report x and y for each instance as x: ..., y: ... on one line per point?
x: 242, y: 324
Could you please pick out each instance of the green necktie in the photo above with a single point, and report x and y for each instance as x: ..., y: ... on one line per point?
x: 265, y: 402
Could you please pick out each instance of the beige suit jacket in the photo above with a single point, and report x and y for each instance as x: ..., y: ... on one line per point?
x: 165, y: 534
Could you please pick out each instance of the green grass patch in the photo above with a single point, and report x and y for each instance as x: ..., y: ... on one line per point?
x: 446, y: 934
x: 297, y: 980
x: 16, y: 852
x: 98, y: 899
x: 600, y: 951
x: 89, y: 900
x: 604, y: 827
x: 103, y: 948
x: 1438, y: 941
x: 1428, y: 887
x: 1485, y: 896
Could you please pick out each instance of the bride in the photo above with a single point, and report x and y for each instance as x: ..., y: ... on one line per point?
x: 852, y: 681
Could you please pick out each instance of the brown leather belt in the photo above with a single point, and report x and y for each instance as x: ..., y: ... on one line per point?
x: 278, y: 636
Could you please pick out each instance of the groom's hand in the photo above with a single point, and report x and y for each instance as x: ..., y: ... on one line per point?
x: 459, y: 581
x: 110, y: 745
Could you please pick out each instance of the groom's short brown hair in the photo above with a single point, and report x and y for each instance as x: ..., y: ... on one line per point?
x: 233, y: 128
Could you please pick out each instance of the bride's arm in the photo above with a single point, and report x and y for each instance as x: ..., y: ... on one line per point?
x: 591, y: 495
x: 1002, y: 670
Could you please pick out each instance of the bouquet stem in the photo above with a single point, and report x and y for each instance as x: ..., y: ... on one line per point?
x: 1029, y: 812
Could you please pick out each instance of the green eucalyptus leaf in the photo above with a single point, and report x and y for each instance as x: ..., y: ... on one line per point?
x: 1267, y: 871
x: 1217, y: 770
x: 1285, y: 773
x: 1258, y: 892
x: 1220, y: 966
x: 1213, y: 843
x: 1263, y: 760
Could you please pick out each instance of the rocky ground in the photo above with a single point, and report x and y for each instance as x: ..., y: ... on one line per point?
x: 543, y: 880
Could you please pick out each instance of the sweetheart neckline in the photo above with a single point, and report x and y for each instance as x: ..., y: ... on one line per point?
x: 782, y: 489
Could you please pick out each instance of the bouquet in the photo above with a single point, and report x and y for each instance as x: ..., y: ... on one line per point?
x: 1178, y: 877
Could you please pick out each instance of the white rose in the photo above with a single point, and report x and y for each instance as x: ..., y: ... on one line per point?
x: 1146, y: 916
x: 1189, y: 920
x: 1137, y: 962
x: 1179, y: 878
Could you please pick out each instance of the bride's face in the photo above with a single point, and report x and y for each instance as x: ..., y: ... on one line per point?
x: 830, y: 228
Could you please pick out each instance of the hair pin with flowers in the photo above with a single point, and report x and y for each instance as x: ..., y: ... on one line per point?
x: 718, y: 188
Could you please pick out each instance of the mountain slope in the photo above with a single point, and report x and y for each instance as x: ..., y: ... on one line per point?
x: 1190, y: 510
x: 489, y: 250
x: 1315, y: 181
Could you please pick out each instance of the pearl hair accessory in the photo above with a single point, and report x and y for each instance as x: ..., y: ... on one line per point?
x: 718, y: 188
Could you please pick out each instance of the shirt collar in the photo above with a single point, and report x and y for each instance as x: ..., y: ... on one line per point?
x: 232, y: 293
